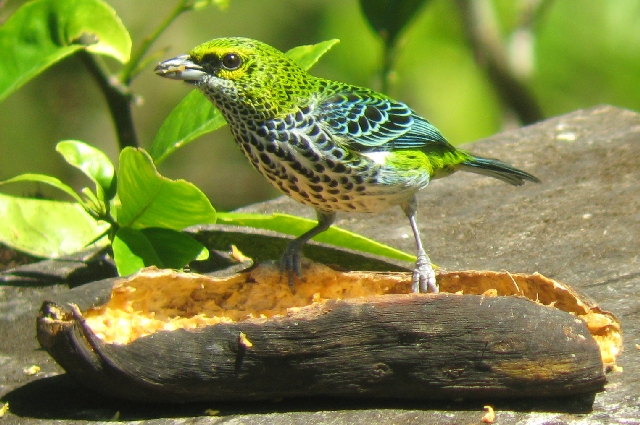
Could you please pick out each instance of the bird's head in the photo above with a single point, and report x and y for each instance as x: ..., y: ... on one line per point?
x: 240, y: 74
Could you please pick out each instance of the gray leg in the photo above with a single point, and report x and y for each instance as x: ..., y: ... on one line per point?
x: 290, y: 260
x: 424, y: 278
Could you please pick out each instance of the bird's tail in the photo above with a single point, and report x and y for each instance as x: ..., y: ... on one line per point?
x: 497, y: 169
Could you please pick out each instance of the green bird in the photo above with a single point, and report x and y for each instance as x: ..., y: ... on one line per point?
x: 330, y: 145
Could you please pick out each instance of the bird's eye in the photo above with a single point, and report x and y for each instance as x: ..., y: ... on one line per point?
x: 231, y: 61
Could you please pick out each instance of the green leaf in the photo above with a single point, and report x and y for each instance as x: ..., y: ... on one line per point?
x: 175, y: 249
x: 389, y: 17
x: 193, y: 117
x: 296, y: 226
x: 133, y: 251
x: 43, y: 178
x: 307, y: 56
x: 196, y: 115
x: 45, y: 228
x: 42, y: 32
x: 93, y: 163
x: 164, y: 248
x: 147, y: 199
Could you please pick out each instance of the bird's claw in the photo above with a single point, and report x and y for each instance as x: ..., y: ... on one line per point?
x: 424, y: 277
x: 290, y: 266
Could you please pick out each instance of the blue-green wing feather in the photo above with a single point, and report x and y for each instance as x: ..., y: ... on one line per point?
x: 370, y: 122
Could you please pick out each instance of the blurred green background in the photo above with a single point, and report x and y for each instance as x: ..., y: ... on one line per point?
x: 563, y: 54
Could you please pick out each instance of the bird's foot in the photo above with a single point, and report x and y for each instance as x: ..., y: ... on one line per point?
x: 290, y: 265
x: 424, y: 277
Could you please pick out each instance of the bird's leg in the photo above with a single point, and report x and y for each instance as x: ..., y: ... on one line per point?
x: 424, y: 278
x: 290, y: 260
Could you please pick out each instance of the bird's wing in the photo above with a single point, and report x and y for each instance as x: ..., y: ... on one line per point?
x: 370, y: 122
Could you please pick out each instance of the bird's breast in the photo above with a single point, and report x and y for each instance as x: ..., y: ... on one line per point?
x: 300, y: 158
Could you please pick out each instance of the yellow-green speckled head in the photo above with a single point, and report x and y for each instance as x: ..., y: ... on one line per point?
x: 248, y: 78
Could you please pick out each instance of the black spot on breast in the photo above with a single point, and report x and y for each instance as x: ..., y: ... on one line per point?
x: 271, y: 148
x: 315, y: 130
x: 319, y: 168
x: 321, y: 139
x: 340, y: 168
x: 293, y: 139
x: 316, y: 188
x: 314, y: 178
x: 309, y: 154
x: 265, y: 159
x: 282, y: 187
x: 282, y: 137
x: 281, y: 172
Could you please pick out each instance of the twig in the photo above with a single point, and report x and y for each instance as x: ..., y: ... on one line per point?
x: 483, y: 36
x: 132, y: 67
x: 118, y: 97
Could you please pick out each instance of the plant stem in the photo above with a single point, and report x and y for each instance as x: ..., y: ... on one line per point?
x: 118, y: 97
x: 388, y: 60
x: 490, y: 54
x: 132, y: 67
x: 116, y: 90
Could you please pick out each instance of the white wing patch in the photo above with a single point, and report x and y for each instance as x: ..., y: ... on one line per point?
x: 379, y: 158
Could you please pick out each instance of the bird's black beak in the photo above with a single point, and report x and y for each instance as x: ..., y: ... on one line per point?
x: 180, y: 68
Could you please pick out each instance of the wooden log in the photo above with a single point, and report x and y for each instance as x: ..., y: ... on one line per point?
x: 411, y: 346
